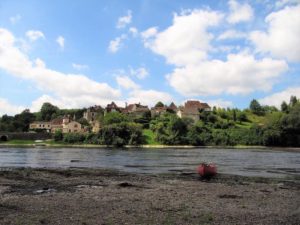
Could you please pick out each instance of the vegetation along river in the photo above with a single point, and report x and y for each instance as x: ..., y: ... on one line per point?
x: 245, y: 162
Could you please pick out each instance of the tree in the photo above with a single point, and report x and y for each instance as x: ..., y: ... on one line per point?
x: 284, y: 107
x: 159, y: 104
x: 58, y: 135
x: 114, y: 117
x: 256, y: 108
x: 293, y: 101
x: 48, y: 110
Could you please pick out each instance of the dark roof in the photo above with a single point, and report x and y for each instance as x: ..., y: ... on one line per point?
x: 57, y: 121
x: 173, y: 106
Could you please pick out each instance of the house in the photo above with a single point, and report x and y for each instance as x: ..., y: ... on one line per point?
x: 156, y: 111
x: 112, y: 107
x: 56, y: 124
x: 136, y: 109
x: 92, y: 113
x: 192, y: 109
x: 40, y: 125
x: 65, y: 124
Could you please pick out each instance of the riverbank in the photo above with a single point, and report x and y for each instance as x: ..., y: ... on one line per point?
x: 52, y: 144
x: 97, y: 196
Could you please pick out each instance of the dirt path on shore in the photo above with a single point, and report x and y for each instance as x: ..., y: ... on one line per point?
x: 94, y: 196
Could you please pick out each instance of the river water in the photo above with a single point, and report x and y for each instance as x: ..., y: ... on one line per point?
x: 246, y: 162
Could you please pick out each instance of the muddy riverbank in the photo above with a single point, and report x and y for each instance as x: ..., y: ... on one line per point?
x: 98, y: 196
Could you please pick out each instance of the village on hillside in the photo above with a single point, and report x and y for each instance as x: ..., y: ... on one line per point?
x: 191, y: 109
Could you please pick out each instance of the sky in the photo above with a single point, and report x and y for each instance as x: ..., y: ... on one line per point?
x: 80, y: 53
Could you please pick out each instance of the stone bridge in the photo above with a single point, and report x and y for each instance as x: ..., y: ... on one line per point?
x: 5, y: 136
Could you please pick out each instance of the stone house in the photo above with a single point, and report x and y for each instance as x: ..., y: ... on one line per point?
x: 156, y: 111
x: 40, y: 125
x: 92, y: 113
x: 65, y: 124
x: 112, y: 107
x: 135, y: 109
x: 192, y: 109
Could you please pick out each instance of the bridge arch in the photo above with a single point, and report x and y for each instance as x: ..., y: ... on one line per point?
x: 3, y: 137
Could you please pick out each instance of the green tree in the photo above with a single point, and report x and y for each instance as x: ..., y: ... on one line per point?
x: 284, y: 107
x: 48, y: 110
x: 114, y: 117
x: 58, y: 135
x: 159, y: 104
x: 256, y: 108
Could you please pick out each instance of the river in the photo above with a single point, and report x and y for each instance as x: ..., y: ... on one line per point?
x: 246, y: 162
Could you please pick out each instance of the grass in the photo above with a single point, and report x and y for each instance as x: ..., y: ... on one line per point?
x: 149, y: 135
x: 19, y: 142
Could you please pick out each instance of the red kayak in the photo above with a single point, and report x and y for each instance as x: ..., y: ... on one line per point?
x: 207, y: 170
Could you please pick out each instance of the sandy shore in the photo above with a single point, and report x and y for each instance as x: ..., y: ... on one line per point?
x: 96, y: 196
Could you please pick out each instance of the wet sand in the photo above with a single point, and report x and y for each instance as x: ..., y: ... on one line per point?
x: 97, y: 196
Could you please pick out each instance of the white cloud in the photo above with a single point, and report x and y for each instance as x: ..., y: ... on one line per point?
x: 219, y: 103
x: 149, y: 97
x: 79, y: 66
x: 124, y: 20
x: 134, y: 31
x: 231, y: 34
x: 276, y: 99
x: 140, y: 73
x: 70, y: 89
x: 150, y: 32
x: 61, y: 42
x: 8, y: 108
x: 239, y: 12
x: 282, y: 3
x: 186, y: 40
x: 282, y: 37
x: 34, y: 35
x: 126, y: 82
x: 116, y: 44
x: 15, y: 19
x: 239, y: 74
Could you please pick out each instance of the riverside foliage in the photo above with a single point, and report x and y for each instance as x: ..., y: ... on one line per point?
x: 257, y: 125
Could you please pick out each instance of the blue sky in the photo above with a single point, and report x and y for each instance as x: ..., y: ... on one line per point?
x: 84, y: 53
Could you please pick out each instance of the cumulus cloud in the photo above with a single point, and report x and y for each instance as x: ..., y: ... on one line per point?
x: 187, y: 43
x: 124, y: 20
x: 149, y: 97
x: 73, y: 90
x: 60, y: 40
x: 239, y: 12
x: 282, y: 36
x: 77, y: 66
x: 126, y: 82
x: 239, y: 74
x: 187, y: 39
x: 34, y: 35
x: 277, y: 98
x: 116, y: 44
x: 140, y: 73
x: 15, y: 19
x: 231, y: 34
x: 8, y: 108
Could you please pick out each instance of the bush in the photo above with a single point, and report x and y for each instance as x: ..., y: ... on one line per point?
x: 73, y: 138
x: 58, y: 135
x: 122, y: 134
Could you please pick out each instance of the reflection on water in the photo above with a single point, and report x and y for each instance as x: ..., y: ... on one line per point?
x: 247, y: 162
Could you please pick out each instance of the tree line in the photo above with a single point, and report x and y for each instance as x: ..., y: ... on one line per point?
x: 256, y: 125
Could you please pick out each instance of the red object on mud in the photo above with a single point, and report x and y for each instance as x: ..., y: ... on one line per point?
x: 207, y: 170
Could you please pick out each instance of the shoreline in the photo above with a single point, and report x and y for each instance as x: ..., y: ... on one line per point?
x: 91, y: 146
x: 103, y: 196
